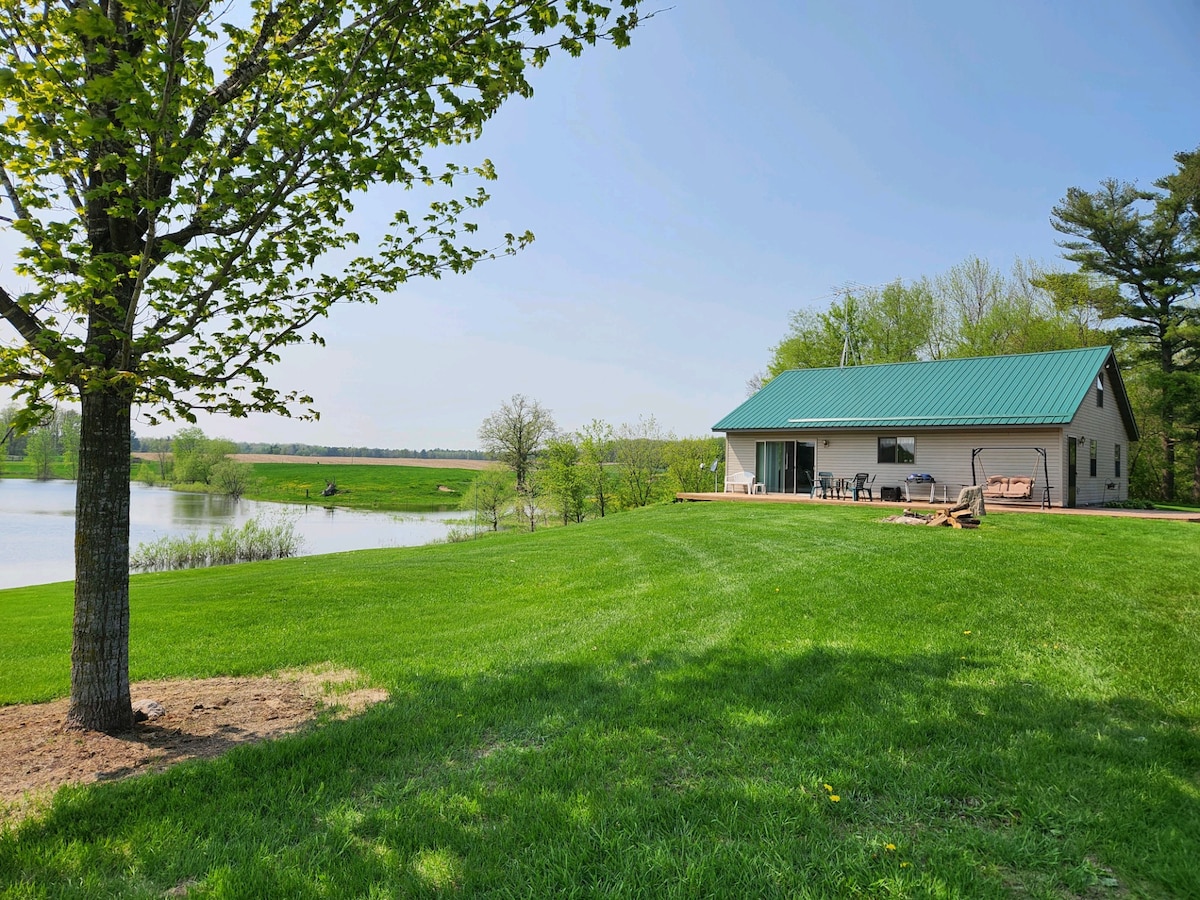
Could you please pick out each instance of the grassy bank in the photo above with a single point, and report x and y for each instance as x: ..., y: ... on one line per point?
x: 25, y: 468
x: 360, y: 487
x: 667, y: 703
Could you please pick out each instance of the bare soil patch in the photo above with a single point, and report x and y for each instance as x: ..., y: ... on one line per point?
x: 203, y: 719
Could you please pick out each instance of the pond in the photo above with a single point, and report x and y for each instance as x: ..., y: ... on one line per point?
x: 37, y: 521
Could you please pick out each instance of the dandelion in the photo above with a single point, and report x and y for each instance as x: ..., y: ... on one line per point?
x: 905, y: 865
x: 966, y: 632
x: 889, y: 847
x: 834, y: 798
x: 828, y: 788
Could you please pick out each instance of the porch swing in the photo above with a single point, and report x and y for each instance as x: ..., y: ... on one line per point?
x: 1012, y: 488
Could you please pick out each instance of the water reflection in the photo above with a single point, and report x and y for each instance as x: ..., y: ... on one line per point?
x: 37, y: 525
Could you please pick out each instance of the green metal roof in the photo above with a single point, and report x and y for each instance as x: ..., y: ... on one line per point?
x: 1029, y: 389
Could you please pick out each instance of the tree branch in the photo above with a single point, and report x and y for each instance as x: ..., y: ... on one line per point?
x: 27, y: 325
x: 13, y: 198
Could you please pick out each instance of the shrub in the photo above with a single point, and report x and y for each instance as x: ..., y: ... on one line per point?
x: 250, y: 543
x: 1130, y: 504
x: 147, y: 473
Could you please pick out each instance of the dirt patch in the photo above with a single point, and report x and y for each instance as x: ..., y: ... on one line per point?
x: 908, y: 517
x: 202, y: 719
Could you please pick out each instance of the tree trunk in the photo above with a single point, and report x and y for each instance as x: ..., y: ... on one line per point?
x: 1168, y: 477
x: 1166, y: 362
x: 1196, y: 468
x: 100, y: 649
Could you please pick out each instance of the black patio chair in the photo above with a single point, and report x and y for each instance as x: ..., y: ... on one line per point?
x: 826, y: 484
x: 862, y: 485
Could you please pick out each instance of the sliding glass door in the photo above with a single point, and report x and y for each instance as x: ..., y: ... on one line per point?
x: 785, y: 467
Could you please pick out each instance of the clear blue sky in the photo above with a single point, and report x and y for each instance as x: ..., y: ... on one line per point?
x: 736, y: 162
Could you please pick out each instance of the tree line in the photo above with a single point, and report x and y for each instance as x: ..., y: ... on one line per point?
x: 974, y: 309
x: 277, y: 449
x: 569, y: 476
x: 1137, y: 253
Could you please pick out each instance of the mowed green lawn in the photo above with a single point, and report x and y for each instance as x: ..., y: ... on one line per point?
x: 385, y: 487
x: 726, y: 700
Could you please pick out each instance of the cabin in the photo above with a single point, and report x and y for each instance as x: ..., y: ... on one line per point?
x: 1046, y: 428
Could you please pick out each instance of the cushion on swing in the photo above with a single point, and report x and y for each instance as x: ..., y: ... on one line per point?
x: 996, y: 486
x: 1020, y: 487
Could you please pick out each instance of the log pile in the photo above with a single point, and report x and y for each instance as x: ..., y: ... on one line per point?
x: 958, y: 516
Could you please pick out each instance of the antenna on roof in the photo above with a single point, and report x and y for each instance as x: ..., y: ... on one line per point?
x: 847, y: 341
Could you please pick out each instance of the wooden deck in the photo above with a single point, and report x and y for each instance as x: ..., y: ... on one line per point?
x: 732, y: 497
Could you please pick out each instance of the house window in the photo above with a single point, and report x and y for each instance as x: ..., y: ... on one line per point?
x: 1117, y: 460
x: 1100, y: 389
x: 897, y: 449
x: 1092, y: 459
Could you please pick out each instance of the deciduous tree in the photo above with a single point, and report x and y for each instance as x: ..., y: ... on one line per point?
x: 564, y: 478
x: 514, y: 433
x: 68, y: 438
x: 230, y: 477
x: 181, y: 176
x: 195, y: 455
x: 899, y: 322
x: 491, y: 497
x: 638, y: 449
x: 596, y: 457
x: 892, y: 324
x: 40, y: 452
x: 161, y: 448
x: 689, y: 462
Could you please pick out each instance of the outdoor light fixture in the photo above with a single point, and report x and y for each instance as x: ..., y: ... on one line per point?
x: 825, y: 443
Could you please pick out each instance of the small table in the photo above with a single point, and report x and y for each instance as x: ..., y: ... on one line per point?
x: 933, y: 486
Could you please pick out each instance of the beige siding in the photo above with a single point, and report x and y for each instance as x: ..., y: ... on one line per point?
x: 739, y: 454
x: 944, y: 454
x: 1104, y: 426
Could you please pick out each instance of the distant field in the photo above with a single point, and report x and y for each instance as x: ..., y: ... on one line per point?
x: 366, y: 483
x: 375, y: 487
x: 473, y: 464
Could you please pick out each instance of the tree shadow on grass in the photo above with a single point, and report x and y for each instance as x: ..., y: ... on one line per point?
x: 711, y: 775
